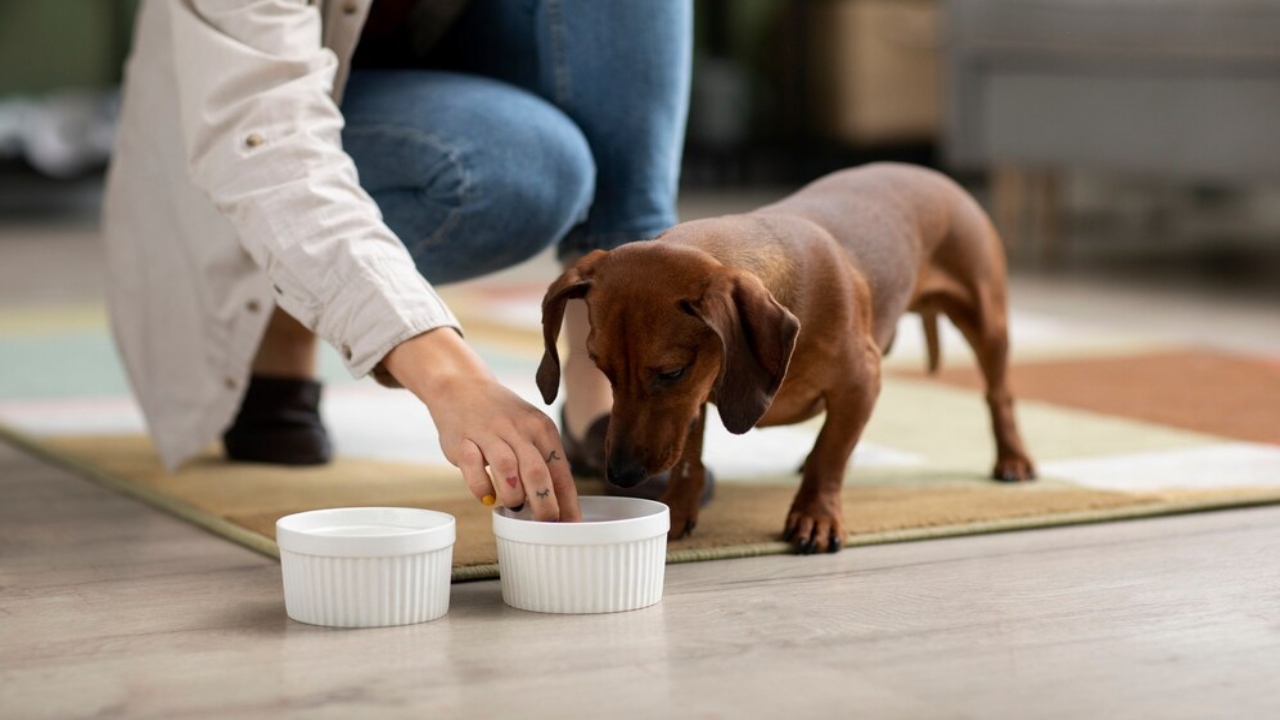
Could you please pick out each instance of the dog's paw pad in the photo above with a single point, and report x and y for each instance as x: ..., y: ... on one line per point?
x: 681, y: 529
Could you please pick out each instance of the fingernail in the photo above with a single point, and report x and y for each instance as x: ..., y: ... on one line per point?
x: 489, y: 500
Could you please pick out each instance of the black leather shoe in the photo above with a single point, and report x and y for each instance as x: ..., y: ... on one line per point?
x: 587, y: 460
x: 279, y: 423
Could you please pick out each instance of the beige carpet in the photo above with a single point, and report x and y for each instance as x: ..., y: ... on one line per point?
x: 242, y: 502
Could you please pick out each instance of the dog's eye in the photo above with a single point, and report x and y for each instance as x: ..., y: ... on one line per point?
x: 671, y: 376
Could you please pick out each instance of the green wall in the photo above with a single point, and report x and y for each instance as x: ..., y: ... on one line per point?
x: 54, y: 44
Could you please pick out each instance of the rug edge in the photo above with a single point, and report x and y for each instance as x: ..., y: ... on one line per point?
x: 184, y: 511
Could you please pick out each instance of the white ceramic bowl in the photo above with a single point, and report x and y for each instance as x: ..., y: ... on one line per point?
x: 614, y: 560
x: 366, y: 567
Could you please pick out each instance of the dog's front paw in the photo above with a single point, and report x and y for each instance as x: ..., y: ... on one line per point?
x: 1012, y: 469
x: 682, y: 525
x: 815, y: 527
x: 681, y: 496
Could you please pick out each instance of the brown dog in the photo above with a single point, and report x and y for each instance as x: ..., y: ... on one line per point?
x: 778, y: 315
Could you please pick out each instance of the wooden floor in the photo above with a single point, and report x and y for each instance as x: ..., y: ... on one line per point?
x: 110, y: 609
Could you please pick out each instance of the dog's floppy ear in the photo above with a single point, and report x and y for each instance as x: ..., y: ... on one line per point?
x: 573, y: 283
x: 758, y: 334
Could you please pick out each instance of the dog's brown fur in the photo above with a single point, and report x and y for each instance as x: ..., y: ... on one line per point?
x: 780, y: 314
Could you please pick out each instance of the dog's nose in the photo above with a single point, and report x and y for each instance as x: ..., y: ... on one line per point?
x: 626, y: 474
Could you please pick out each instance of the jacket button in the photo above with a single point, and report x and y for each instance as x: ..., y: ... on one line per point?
x: 346, y: 352
x: 254, y: 140
x: 351, y: 7
x: 253, y: 306
x: 230, y: 383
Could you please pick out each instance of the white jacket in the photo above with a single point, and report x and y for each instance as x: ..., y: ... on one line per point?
x: 229, y: 193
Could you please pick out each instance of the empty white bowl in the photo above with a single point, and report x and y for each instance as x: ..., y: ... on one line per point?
x: 366, y: 567
x: 611, y: 561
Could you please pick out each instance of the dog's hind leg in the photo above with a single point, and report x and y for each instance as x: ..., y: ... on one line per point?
x: 981, y: 318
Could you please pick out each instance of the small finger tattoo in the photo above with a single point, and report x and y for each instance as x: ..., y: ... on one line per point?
x: 513, y: 481
x: 544, y: 493
x: 553, y: 456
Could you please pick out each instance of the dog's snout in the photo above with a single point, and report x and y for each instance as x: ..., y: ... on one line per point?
x: 625, y: 473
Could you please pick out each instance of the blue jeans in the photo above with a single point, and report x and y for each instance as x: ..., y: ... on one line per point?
x: 551, y: 121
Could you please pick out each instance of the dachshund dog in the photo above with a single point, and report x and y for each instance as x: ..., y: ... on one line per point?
x: 778, y: 315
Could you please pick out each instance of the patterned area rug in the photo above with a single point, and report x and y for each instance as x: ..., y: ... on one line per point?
x: 1120, y: 428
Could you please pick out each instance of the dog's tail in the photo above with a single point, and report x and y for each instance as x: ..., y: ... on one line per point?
x: 930, y: 320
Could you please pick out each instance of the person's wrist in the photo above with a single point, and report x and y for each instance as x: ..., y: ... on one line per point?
x: 432, y: 363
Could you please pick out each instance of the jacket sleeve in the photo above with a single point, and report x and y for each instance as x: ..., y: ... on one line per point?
x: 262, y: 136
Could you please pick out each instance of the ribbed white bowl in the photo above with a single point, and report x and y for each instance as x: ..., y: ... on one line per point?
x: 612, y: 561
x: 366, y: 567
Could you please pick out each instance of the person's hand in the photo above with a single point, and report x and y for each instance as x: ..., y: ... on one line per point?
x: 508, y: 451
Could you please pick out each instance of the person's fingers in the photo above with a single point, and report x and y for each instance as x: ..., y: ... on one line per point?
x: 470, y: 461
x: 553, y: 470
x: 504, y: 468
x: 537, y: 483
x: 562, y: 485
x: 566, y: 490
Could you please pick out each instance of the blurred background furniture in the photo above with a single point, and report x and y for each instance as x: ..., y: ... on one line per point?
x: 875, y: 71
x: 1184, y: 89
x: 1031, y: 100
x: 787, y: 90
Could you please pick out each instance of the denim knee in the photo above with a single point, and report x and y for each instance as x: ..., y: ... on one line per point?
x: 484, y: 176
x: 527, y: 186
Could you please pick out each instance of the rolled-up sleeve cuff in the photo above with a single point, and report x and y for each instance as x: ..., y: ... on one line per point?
x: 385, y: 304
